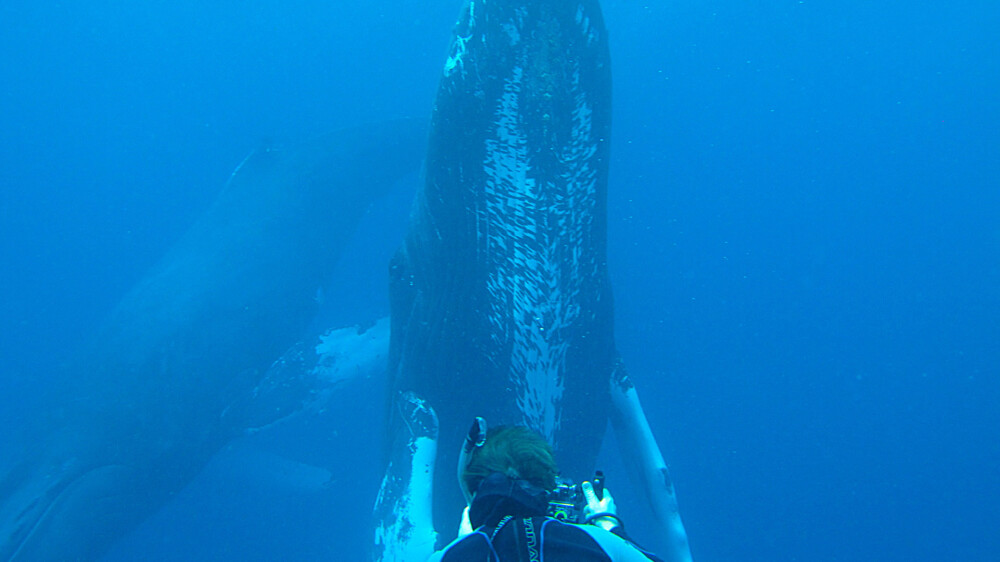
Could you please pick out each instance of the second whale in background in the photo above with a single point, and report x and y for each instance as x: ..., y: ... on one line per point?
x: 172, y: 374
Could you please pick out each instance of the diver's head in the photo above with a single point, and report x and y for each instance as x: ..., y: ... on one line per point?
x: 515, y: 451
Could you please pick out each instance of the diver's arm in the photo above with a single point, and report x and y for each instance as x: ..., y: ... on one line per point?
x: 602, y: 513
x: 618, y: 548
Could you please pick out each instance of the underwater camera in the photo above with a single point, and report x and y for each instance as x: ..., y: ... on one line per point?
x: 567, y: 501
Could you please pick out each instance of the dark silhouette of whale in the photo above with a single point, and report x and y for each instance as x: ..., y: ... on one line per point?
x: 501, y: 302
x: 167, y: 379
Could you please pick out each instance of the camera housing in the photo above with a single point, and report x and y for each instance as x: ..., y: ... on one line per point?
x: 567, y: 501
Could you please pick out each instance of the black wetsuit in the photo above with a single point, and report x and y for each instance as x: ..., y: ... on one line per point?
x: 511, y: 526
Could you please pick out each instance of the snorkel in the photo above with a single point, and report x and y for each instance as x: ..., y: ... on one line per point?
x: 474, y: 440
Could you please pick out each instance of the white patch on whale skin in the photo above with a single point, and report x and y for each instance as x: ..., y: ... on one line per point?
x: 345, y: 353
x: 584, y: 22
x: 409, y: 534
x: 534, y: 224
x: 403, y: 509
x: 456, y: 53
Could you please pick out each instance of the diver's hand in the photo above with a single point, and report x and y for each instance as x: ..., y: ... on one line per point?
x: 598, y: 506
x: 465, y: 527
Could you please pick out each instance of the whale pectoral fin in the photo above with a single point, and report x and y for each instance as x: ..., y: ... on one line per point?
x: 645, y: 463
x: 309, y: 375
x: 403, y: 511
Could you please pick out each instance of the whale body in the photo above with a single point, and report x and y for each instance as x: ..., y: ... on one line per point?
x: 501, y: 304
x: 171, y: 375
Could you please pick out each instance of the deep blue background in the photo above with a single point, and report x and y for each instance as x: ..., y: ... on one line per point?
x: 804, y: 240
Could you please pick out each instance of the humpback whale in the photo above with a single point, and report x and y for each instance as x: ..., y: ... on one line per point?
x: 501, y: 304
x: 172, y: 374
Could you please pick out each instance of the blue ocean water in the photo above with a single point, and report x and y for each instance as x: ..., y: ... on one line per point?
x: 804, y: 243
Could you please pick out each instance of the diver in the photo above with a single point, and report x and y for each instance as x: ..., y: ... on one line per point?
x: 508, y: 475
